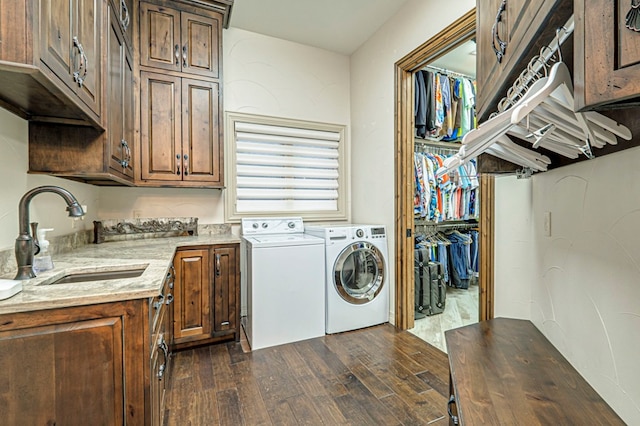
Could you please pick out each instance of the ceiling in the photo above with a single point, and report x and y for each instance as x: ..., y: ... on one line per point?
x: 337, y: 25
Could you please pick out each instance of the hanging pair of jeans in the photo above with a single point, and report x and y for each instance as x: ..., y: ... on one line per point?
x: 459, y: 260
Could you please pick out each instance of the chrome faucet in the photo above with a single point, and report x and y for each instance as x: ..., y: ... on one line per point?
x: 25, y: 248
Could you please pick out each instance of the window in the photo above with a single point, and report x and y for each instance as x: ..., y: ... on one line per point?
x: 282, y: 167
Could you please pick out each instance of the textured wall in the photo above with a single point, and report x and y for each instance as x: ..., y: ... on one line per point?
x: 586, y: 296
x: 584, y: 286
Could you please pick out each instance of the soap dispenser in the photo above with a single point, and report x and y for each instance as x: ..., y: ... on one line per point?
x: 42, y: 261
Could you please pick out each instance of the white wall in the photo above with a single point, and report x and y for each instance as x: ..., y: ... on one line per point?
x: 585, y: 285
x: 587, y: 297
x: 46, y: 209
x: 372, y: 109
x: 262, y: 75
x: 515, y: 262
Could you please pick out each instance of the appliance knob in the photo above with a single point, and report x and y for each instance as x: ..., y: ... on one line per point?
x: 265, y: 225
x: 360, y: 233
x: 291, y: 225
x: 255, y: 226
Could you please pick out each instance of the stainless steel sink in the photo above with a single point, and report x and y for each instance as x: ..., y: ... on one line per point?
x: 85, y: 275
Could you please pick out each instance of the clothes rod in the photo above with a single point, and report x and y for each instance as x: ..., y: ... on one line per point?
x: 446, y: 71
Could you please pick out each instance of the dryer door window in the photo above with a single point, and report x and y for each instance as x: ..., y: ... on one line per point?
x: 358, y: 274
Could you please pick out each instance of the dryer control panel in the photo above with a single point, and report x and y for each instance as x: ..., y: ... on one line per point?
x: 272, y: 225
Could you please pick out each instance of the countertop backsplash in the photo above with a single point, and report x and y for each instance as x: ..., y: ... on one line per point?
x: 66, y: 243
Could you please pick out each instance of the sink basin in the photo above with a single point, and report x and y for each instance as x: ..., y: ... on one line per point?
x: 86, y: 275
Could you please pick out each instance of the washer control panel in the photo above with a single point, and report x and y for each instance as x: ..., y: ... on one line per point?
x: 271, y: 225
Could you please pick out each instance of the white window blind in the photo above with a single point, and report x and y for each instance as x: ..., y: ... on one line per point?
x: 283, y: 167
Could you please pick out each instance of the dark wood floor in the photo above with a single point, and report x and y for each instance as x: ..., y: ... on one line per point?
x: 375, y: 376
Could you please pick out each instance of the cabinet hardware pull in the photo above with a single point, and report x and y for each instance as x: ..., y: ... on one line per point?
x: 178, y: 164
x: 454, y: 419
x: 124, y: 21
x: 176, y: 52
x: 159, y: 302
x: 186, y: 165
x: 224, y: 323
x: 217, y: 265
x: 169, y: 299
x: 502, y: 45
x: 165, y: 351
x: 84, y: 62
x: 184, y: 56
x: 126, y: 154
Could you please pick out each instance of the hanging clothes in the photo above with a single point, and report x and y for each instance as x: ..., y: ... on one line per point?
x: 444, y: 105
x: 452, y: 196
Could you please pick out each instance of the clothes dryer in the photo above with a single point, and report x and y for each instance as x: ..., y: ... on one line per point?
x: 357, y: 281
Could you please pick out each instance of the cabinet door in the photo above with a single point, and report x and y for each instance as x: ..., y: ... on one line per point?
x: 525, y: 26
x: 160, y: 44
x: 56, y: 35
x: 115, y: 95
x: 607, y: 54
x: 66, y: 374
x: 200, y: 45
x: 160, y: 127
x: 225, y: 297
x: 87, y: 29
x: 192, y: 296
x: 202, y: 150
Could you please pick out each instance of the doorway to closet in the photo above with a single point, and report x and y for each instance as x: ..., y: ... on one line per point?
x: 466, y: 306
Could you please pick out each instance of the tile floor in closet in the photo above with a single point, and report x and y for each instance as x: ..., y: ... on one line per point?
x: 461, y: 309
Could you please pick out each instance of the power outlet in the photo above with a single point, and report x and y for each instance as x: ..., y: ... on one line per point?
x: 547, y: 224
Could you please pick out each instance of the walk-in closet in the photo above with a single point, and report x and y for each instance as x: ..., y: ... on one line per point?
x: 446, y: 204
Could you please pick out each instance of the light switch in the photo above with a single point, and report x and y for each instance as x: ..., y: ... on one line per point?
x: 547, y: 224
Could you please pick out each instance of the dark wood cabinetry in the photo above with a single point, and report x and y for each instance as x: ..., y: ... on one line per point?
x: 84, y: 153
x: 180, y: 131
x: 181, y: 107
x: 51, y: 58
x: 207, y: 295
x: 179, y: 41
x: 524, y: 27
x: 607, y: 56
x: 161, y: 339
x: 70, y: 32
x: 73, y: 366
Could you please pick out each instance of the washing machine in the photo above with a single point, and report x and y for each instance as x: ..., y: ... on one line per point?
x: 357, y: 278
x: 284, y: 272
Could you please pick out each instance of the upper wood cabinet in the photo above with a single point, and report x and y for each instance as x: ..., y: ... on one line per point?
x: 180, y: 131
x: 70, y: 38
x: 179, y: 41
x: 52, y: 60
x: 516, y: 29
x: 607, y: 55
x: 85, y: 153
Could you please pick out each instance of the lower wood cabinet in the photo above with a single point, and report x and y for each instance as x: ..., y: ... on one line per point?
x: 75, y: 366
x: 207, y: 295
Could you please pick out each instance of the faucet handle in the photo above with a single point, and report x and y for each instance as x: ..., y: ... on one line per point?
x: 34, y: 238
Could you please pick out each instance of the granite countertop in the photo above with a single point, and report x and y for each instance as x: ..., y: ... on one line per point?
x: 157, y: 253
